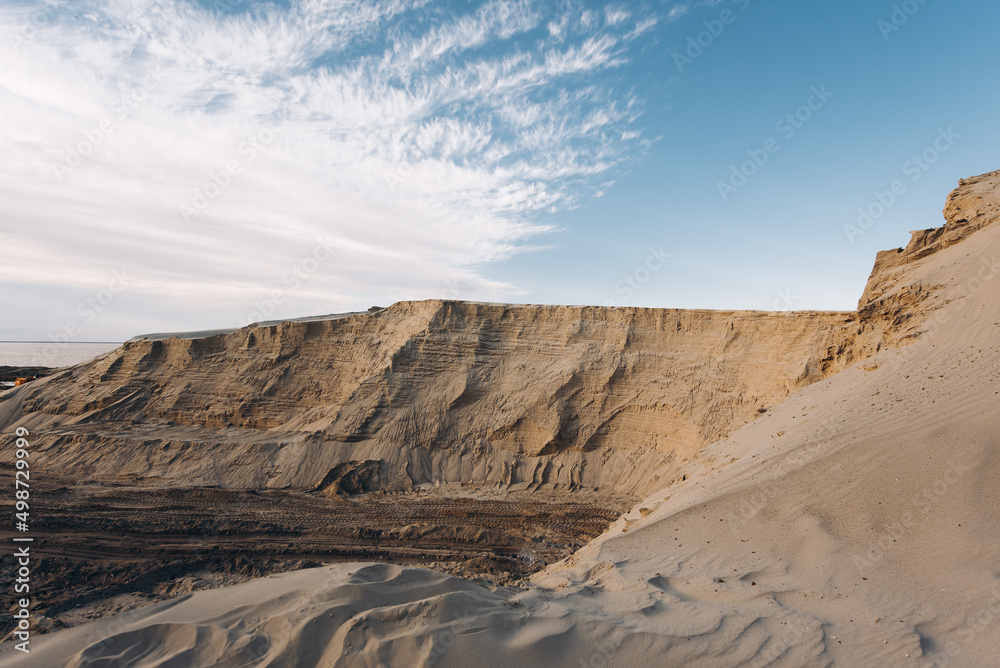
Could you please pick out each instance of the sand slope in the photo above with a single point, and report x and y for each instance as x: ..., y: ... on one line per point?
x: 856, y: 524
x: 438, y: 391
x: 441, y: 392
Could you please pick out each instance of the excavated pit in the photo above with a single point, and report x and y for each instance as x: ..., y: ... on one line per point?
x: 483, y: 439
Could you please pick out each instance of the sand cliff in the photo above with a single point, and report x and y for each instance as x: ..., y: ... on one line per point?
x: 854, y: 523
x: 457, y: 392
x: 438, y: 391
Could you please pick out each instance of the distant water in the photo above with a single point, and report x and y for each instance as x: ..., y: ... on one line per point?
x: 29, y: 353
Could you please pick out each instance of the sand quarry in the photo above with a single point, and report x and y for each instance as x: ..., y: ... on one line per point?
x: 456, y: 484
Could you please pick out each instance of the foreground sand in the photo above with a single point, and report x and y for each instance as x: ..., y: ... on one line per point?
x: 857, y: 523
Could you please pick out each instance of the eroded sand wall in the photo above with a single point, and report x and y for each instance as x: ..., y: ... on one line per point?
x: 458, y: 392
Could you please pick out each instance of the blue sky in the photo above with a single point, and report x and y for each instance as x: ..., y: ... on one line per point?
x: 178, y: 164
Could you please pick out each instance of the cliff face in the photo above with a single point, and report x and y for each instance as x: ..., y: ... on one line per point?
x: 456, y: 392
x: 970, y: 207
x: 439, y: 391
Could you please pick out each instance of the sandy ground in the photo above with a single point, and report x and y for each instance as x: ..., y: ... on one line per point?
x: 109, y: 546
x: 855, y: 524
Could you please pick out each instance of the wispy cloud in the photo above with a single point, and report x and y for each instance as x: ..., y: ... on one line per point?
x: 678, y: 10
x: 209, y: 150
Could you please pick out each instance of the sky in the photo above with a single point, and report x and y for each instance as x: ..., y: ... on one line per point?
x: 187, y: 164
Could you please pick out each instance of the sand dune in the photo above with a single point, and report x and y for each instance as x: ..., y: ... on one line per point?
x: 855, y: 523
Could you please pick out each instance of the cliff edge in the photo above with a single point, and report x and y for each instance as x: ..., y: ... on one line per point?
x: 446, y: 392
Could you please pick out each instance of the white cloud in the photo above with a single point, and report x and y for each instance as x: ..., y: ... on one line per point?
x: 678, y: 10
x: 424, y: 153
x: 615, y: 15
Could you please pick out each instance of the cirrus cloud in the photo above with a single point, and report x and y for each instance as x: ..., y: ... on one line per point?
x: 211, y: 151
